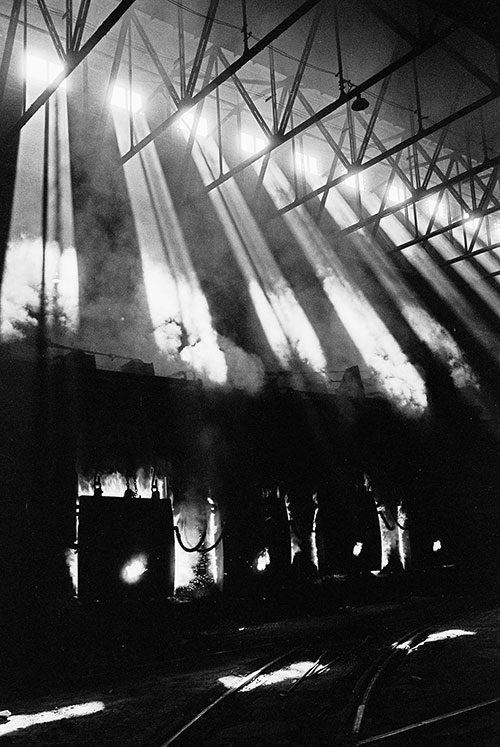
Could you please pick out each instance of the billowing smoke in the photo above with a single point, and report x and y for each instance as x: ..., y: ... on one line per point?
x: 244, y: 370
x: 21, y: 290
x: 442, y: 344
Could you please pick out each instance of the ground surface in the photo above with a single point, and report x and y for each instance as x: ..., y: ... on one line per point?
x: 147, y: 704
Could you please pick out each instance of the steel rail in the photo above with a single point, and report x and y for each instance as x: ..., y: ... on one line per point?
x: 426, y: 722
x: 245, y: 681
x: 366, y: 686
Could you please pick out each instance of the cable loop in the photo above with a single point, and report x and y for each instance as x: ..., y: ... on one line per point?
x: 186, y: 548
x: 198, y: 547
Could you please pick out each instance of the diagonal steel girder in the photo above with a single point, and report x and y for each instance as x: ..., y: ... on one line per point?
x: 402, y: 145
x: 422, y: 195
x: 410, y: 38
x: 80, y: 22
x: 167, y: 82
x: 9, y: 46
x: 392, y: 161
x: 438, y: 232
x: 189, y: 103
x: 321, y: 114
x: 373, y: 118
x: 246, y: 97
x: 285, y: 118
x: 73, y: 59
x: 331, y: 172
x: 202, y: 46
x: 56, y: 41
x: 487, y: 195
x: 471, y: 255
x: 441, y: 175
x: 336, y: 147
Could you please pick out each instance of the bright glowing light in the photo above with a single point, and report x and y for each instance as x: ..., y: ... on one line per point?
x: 437, y: 545
x: 471, y: 221
x: 356, y: 181
x: 356, y: 550
x: 431, y: 332
x: 186, y: 123
x: 134, y: 569
x: 123, y: 99
x: 305, y: 163
x: 369, y: 334
x: 42, y: 70
x: 439, y: 340
x: 444, y: 635
x: 262, y: 560
x: 72, y: 565
x: 252, y: 144
x: 431, y: 205
x: 22, y: 276
x: 115, y: 484
x: 198, y: 573
x: 442, y: 284
x: 396, y: 194
x: 283, y: 320
x: 25, y: 720
x: 180, y: 315
x: 292, y: 672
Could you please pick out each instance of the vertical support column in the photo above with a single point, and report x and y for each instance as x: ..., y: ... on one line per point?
x: 9, y: 46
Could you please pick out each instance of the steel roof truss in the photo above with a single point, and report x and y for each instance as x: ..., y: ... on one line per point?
x: 202, y: 46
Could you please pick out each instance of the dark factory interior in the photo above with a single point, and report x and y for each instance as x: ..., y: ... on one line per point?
x: 250, y: 372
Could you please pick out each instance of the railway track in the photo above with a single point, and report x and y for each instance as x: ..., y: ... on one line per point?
x: 300, y: 695
x: 477, y: 722
x: 289, y: 683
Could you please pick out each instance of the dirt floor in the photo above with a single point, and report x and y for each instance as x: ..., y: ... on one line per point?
x: 146, y: 703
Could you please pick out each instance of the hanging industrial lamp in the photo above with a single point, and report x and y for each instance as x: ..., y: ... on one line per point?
x: 360, y: 104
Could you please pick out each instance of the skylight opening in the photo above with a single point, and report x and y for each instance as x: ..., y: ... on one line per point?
x: 356, y: 181
x: 435, y: 206
x: 306, y: 164
x: 122, y: 98
x: 42, y: 69
x: 396, y: 194
x: 186, y: 124
x: 251, y: 144
x: 471, y: 221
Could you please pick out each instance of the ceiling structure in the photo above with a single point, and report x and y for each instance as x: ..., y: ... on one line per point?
x: 393, y: 105
x: 295, y: 69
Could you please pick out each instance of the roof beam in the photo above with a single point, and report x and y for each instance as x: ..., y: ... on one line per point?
x: 247, y: 98
x: 391, y: 151
x: 81, y: 20
x: 223, y: 76
x: 438, y: 232
x: 156, y: 60
x: 285, y: 118
x: 73, y: 59
x: 202, y: 46
x: 422, y: 195
x: 325, y: 112
x: 56, y: 41
x: 471, y: 255
x: 9, y: 46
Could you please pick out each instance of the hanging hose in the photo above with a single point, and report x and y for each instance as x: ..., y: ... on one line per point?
x: 196, y: 548
x: 381, y: 513
x: 212, y: 547
x: 403, y: 528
